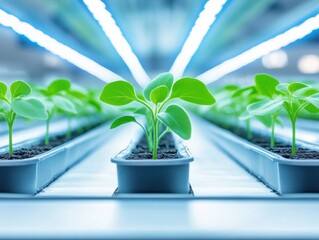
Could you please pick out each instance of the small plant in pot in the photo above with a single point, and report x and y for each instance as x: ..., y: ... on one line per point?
x: 162, y: 116
x: 19, y: 103
x: 293, y: 98
x: 54, y: 99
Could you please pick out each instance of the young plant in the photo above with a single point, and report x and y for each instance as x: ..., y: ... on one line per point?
x: 294, y: 98
x: 157, y: 95
x: 239, y: 101
x: 87, y: 106
x: 270, y: 105
x: 19, y: 103
x: 54, y: 99
x: 221, y: 108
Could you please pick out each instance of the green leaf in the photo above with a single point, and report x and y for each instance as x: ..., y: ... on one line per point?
x: 305, y: 92
x: 59, y: 85
x: 177, y: 120
x: 192, y: 90
x: 265, y: 120
x: 29, y: 108
x: 141, y: 111
x: 77, y: 94
x: 292, y: 87
x: 283, y: 88
x: 118, y: 93
x: 230, y: 87
x: 64, y: 104
x: 266, y: 85
x: 48, y: 104
x: 246, y: 91
x: 97, y: 105
x: 265, y: 107
x: 313, y: 99
x: 122, y: 120
x: 159, y: 94
x: 3, y: 90
x: 164, y: 79
x: 245, y: 116
x: 19, y: 89
x: 4, y: 107
x: 311, y: 108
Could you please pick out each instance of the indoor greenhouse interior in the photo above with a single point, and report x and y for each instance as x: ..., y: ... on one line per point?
x: 162, y: 119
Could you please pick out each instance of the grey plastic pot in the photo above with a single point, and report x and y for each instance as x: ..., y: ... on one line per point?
x: 283, y: 175
x: 31, y: 175
x: 153, y: 175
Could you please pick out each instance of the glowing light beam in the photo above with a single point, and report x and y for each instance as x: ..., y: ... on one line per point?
x: 203, y: 23
x: 56, y: 47
x: 251, y: 55
x: 113, y: 32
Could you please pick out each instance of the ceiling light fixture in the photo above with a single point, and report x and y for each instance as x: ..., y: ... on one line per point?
x: 204, y: 21
x: 260, y: 50
x: 113, y: 32
x: 56, y: 47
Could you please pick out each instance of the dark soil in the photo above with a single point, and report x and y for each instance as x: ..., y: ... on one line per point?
x: 35, y: 150
x: 166, y: 149
x: 281, y: 148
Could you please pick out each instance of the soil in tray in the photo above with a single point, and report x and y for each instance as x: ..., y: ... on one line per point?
x: 35, y: 150
x: 166, y: 149
x: 281, y: 148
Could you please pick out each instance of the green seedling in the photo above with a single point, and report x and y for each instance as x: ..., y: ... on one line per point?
x: 221, y: 108
x: 87, y: 106
x: 270, y: 104
x: 18, y: 102
x: 239, y: 101
x: 55, y: 99
x: 156, y: 109
x: 294, y: 98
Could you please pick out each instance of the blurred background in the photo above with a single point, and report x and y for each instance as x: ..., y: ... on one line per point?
x: 156, y: 31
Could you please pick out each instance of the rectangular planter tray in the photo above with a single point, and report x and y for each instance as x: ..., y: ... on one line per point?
x: 285, y: 176
x: 31, y: 175
x: 168, y: 176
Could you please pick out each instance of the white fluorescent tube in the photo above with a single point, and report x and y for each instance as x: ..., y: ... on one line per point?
x: 249, y: 56
x: 204, y: 21
x: 56, y: 47
x: 113, y: 32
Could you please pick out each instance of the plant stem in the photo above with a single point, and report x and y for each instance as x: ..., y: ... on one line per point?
x: 46, y: 141
x: 163, y: 134
x: 248, y: 130
x: 293, y: 143
x: 155, y: 139
x: 147, y: 106
x: 10, y: 122
x: 155, y: 134
x: 273, y: 122
x: 10, y: 139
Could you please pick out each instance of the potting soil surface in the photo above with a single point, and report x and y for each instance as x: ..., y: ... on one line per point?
x: 166, y: 149
x: 281, y: 148
x: 34, y: 150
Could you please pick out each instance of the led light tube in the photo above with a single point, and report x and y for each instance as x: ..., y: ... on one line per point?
x: 113, y: 32
x: 56, y: 47
x: 249, y: 56
x: 203, y: 23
